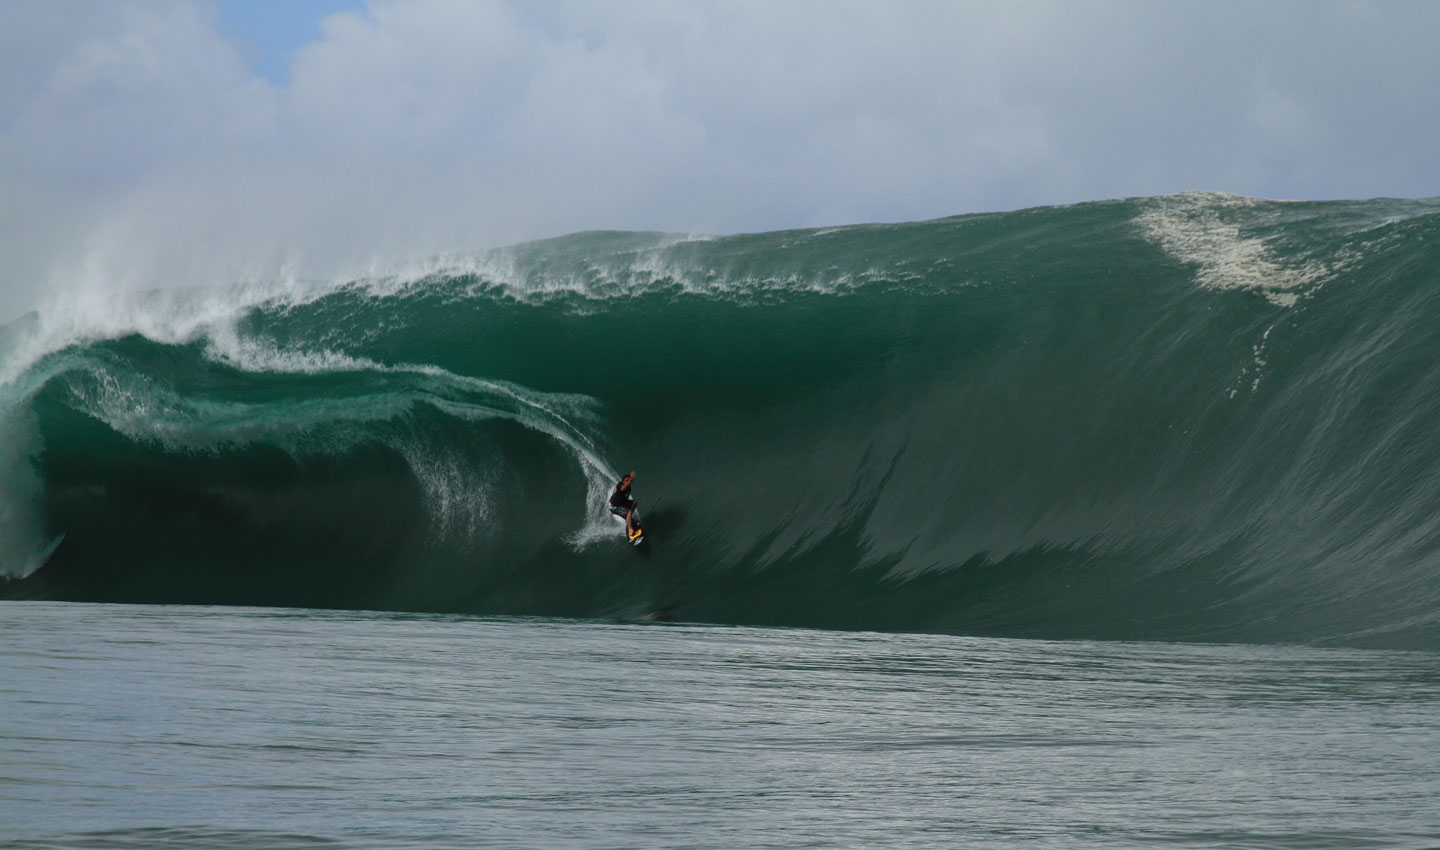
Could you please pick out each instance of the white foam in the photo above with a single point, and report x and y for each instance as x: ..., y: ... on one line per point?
x: 458, y: 494
x: 599, y: 475
x: 148, y: 412
x: 609, y: 274
x: 175, y: 316
x: 1192, y: 228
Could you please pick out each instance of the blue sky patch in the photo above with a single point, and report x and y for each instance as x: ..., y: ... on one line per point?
x: 269, y: 32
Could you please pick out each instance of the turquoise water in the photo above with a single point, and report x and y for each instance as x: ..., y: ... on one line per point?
x: 1198, y: 417
x: 156, y: 726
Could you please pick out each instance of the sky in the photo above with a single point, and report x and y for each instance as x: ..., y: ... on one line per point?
x: 269, y: 32
x: 154, y: 143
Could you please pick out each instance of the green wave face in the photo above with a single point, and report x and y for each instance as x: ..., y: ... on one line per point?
x: 1190, y: 417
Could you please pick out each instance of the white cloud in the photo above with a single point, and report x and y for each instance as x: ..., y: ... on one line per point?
x: 137, y: 149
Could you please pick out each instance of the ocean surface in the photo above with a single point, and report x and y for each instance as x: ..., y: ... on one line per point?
x: 154, y: 727
x: 1116, y: 523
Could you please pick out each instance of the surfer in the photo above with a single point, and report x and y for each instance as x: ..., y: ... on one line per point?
x: 622, y: 505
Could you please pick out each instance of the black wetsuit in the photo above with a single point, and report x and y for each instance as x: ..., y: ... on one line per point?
x: 620, y: 501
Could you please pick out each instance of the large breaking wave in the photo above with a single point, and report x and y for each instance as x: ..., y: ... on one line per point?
x: 1190, y: 417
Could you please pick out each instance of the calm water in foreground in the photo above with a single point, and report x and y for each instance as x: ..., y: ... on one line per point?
x: 158, y: 727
